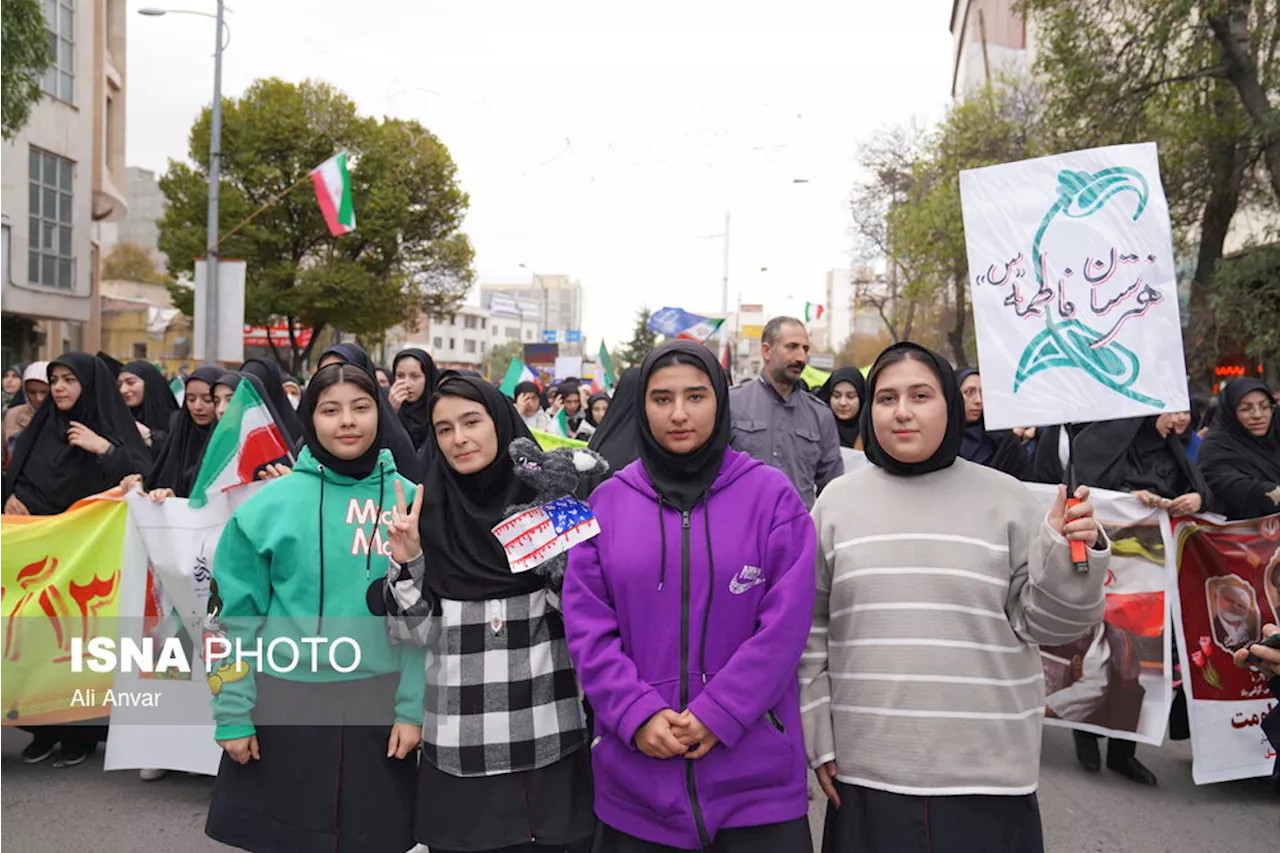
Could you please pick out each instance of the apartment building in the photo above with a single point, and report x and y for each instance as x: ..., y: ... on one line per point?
x: 61, y: 178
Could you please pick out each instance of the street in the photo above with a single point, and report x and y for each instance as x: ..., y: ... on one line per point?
x: 82, y: 808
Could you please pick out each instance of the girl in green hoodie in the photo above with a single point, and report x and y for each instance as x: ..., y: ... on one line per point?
x: 317, y: 746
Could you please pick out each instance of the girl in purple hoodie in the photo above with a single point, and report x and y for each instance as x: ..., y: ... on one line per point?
x: 687, y: 637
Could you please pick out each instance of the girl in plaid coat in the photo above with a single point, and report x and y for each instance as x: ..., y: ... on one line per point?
x: 504, y: 760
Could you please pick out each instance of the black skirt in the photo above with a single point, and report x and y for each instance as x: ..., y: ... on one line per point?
x: 871, y: 821
x: 318, y: 787
x: 548, y: 807
x: 791, y: 836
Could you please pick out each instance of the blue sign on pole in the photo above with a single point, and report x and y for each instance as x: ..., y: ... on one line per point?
x: 550, y: 336
x: 574, y: 336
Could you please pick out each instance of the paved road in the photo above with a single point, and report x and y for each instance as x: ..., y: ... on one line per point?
x: 84, y: 809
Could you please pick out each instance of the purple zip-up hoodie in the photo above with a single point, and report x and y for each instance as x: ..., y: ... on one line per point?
x: 720, y: 632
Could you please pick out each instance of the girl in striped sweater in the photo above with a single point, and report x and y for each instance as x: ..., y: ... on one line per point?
x: 921, y: 682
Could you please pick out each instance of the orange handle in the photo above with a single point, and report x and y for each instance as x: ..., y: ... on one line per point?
x: 1079, y: 551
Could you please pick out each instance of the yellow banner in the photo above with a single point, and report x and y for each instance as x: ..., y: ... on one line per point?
x: 547, y: 441
x: 750, y: 331
x: 59, y: 580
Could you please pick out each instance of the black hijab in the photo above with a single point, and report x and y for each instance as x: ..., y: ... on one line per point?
x: 975, y: 444
x: 158, y: 405
x: 47, y: 473
x: 271, y: 378
x: 459, y: 511
x: 416, y: 414
x: 392, y: 434
x: 179, y: 460
x: 618, y: 438
x: 1161, y: 464
x: 1099, y: 452
x: 681, y: 479
x: 229, y: 378
x: 360, y: 467
x: 591, y: 401
x: 949, y: 449
x: 1228, y: 439
x: 848, y: 429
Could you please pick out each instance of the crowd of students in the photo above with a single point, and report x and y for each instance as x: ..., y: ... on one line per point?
x: 745, y: 614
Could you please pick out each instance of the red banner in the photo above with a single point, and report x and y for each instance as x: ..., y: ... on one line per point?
x: 1228, y: 588
x: 278, y: 332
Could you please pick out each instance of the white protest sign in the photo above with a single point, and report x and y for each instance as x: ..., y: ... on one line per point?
x: 1072, y: 279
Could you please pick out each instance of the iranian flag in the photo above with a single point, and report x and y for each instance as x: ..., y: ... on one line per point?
x: 517, y: 372
x: 245, y: 439
x: 333, y: 191
x: 602, y: 376
x: 700, y: 331
x: 813, y: 311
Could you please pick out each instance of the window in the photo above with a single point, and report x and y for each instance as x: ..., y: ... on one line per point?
x: 528, y: 334
x: 50, y: 260
x: 140, y: 351
x: 60, y: 27
x: 513, y: 333
x: 482, y: 347
x: 468, y: 346
x: 437, y: 343
x: 452, y: 344
x: 470, y: 322
x: 483, y: 321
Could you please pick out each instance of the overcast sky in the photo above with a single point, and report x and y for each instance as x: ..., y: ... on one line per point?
x: 603, y: 140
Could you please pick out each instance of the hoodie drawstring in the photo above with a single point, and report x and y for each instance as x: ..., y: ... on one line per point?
x: 377, y: 519
x: 320, y: 623
x: 711, y: 586
x: 662, y: 529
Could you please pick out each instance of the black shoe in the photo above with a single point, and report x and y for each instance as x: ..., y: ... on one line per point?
x: 1133, y: 770
x: 38, y: 750
x: 1087, y: 751
x: 73, y: 754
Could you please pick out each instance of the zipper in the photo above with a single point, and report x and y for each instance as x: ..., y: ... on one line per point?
x: 320, y: 616
x: 690, y: 783
x: 777, y: 724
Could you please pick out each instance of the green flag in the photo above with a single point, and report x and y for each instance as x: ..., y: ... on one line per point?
x: 604, y: 367
x: 516, y: 373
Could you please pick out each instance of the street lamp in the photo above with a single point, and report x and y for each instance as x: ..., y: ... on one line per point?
x: 207, y: 347
x: 537, y: 279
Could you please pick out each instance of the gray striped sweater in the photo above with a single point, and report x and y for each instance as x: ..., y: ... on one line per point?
x: 922, y: 671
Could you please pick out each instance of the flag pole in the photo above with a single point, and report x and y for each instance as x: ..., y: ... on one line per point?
x: 268, y: 203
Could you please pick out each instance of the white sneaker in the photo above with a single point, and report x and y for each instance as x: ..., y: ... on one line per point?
x: 151, y: 774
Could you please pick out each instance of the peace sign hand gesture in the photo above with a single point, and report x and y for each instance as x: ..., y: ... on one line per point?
x: 403, y: 533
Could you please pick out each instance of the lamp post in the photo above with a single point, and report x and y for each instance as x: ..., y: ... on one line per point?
x: 537, y: 279
x: 206, y: 346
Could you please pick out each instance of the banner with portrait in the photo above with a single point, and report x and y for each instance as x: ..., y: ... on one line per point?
x: 1117, y: 679
x: 1228, y: 587
x: 1074, y: 288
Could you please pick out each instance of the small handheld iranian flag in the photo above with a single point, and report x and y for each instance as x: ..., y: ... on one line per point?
x: 813, y: 311
x: 602, y: 379
x: 245, y: 439
x: 333, y: 191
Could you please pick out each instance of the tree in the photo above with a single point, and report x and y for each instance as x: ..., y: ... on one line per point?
x: 643, y: 340
x: 406, y: 257
x: 25, y: 56
x: 1246, y: 297
x: 1184, y: 74
x: 499, y: 358
x: 131, y: 262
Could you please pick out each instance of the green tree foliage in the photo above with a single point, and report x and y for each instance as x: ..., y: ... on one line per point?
x: 910, y: 211
x: 643, y: 340
x: 1187, y: 75
x: 499, y: 358
x: 1246, y: 297
x: 406, y: 257
x: 24, y: 54
x: 131, y: 262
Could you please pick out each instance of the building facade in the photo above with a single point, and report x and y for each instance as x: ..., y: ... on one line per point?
x: 457, y: 342
x: 989, y: 40
x: 513, y: 320
x: 561, y: 299
x: 141, y: 225
x: 62, y: 177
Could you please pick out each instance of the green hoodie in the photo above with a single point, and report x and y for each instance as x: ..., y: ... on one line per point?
x: 269, y: 563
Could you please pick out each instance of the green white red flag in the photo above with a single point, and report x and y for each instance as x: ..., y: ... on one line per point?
x: 246, y: 438
x: 333, y: 192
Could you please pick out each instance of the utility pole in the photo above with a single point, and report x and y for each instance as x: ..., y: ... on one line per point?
x: 210, y: 348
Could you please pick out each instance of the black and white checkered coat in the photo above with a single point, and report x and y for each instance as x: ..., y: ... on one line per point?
x: 502, y: 696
